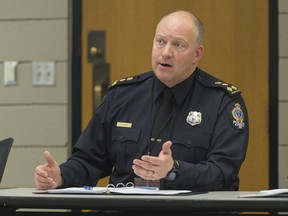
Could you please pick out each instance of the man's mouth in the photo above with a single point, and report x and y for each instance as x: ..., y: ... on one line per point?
x: 165, y: 65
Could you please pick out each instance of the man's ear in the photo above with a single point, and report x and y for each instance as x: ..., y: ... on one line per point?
x: 198, y: 53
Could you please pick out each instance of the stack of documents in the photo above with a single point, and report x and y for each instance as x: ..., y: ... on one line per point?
x: 108, y: 190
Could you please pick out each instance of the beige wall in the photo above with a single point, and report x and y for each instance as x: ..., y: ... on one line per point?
x: 37, y: 117
x: 283, y: 93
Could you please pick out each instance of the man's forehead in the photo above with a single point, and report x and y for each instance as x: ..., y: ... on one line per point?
x: 174, y: 36
x: 177, y: 22
x: 178, y: 16
x: 175, y: 30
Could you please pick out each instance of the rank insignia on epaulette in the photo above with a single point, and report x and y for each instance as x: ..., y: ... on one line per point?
x: 121, y: 80
x: 232, y: 89
x: 114, y: 83
x: 238, y: 116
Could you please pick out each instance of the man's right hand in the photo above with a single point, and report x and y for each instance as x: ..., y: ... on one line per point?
x: 48, y: 175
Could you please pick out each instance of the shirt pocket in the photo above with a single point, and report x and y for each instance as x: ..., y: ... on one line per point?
x: 191, y: 148
x: 125, y: 143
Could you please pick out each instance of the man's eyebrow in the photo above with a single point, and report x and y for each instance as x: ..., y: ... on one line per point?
x: 174, y: 37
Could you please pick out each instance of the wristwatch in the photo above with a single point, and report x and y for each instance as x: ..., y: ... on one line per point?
x: 173, y: 173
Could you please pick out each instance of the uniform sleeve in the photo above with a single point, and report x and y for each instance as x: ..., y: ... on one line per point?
x: 89, y: 162
x: 226, y: 153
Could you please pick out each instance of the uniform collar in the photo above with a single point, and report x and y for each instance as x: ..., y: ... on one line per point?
x: 179, y: 91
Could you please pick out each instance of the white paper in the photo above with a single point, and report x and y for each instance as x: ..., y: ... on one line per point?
x: 267, y: 193
x: 132, y: 190
x: 75, y: 190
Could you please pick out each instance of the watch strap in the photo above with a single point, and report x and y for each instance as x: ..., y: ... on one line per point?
x: 173, y: 173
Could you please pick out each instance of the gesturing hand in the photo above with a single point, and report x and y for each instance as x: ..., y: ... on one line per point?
x: 48, y: 175
x: 154, y: 168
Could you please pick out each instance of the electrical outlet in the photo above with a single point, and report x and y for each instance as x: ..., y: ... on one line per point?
x: 43, y: 73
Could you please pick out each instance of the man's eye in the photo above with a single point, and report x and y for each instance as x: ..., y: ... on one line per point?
x: 160, y: 42
x: 179, y: 46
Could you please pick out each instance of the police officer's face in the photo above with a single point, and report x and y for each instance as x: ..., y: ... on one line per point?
x: 175, y: 54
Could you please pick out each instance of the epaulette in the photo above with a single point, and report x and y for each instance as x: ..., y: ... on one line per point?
x: 131, y: 80
x: 211, y: 81
x: 231, y: 89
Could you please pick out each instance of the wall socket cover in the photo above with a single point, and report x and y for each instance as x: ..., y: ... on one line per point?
x: 43, y: 73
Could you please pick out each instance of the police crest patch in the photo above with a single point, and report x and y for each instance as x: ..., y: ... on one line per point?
x: 238, y: 116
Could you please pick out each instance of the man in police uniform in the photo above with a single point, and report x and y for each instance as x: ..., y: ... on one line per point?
x: 201, y: 143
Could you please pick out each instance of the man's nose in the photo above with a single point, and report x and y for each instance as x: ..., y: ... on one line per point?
x: 167, y: 51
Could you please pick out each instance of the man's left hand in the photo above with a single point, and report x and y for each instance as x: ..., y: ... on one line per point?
x: 152, y: 167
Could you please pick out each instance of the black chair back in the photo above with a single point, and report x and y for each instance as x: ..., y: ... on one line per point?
x: 5, y: 146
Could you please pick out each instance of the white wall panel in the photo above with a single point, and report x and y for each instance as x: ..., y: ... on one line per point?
x: 283, y: 6
x: 283, y: 166
x: 31, y: 9
x: 35, y: 125
x: 43, y: 40
x: 283, y: 119
x: 283, y: 93
x: 283, y: 79
x: 283, y: 35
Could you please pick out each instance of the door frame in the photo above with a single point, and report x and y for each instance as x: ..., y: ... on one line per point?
x: 273, y: 83
x: 273, y: 94
x: 76, y: 73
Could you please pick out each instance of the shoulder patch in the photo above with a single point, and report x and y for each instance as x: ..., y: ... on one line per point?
x: 238, y: 116
x: 131, y: 79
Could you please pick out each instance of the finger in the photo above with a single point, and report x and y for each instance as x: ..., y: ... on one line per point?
x: 40, y: 171
x: 49, y: 158
x: 43, y: 182
x: 166, y: 147
x: 136, y: 161
x: 147, y: 171
x: 145, y: 174
x: 147, y: 162
x: 149, y: 159
x: 44, y: 186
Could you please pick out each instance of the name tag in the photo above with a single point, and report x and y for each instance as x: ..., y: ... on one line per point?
x: 124, y: 124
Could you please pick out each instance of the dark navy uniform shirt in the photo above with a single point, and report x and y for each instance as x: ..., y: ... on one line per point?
x: 208, y: 129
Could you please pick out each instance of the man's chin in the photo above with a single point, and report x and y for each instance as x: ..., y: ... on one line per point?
x: 164, y: 78
x: 164, y: 74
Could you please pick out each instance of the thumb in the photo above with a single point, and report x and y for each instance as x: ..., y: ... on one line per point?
x: 49, y: 158
x: 166, y: 147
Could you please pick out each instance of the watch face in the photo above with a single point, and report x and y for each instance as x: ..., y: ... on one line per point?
x: 172, y: 175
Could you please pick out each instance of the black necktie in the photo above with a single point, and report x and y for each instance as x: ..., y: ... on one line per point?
x: 162, y: 118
